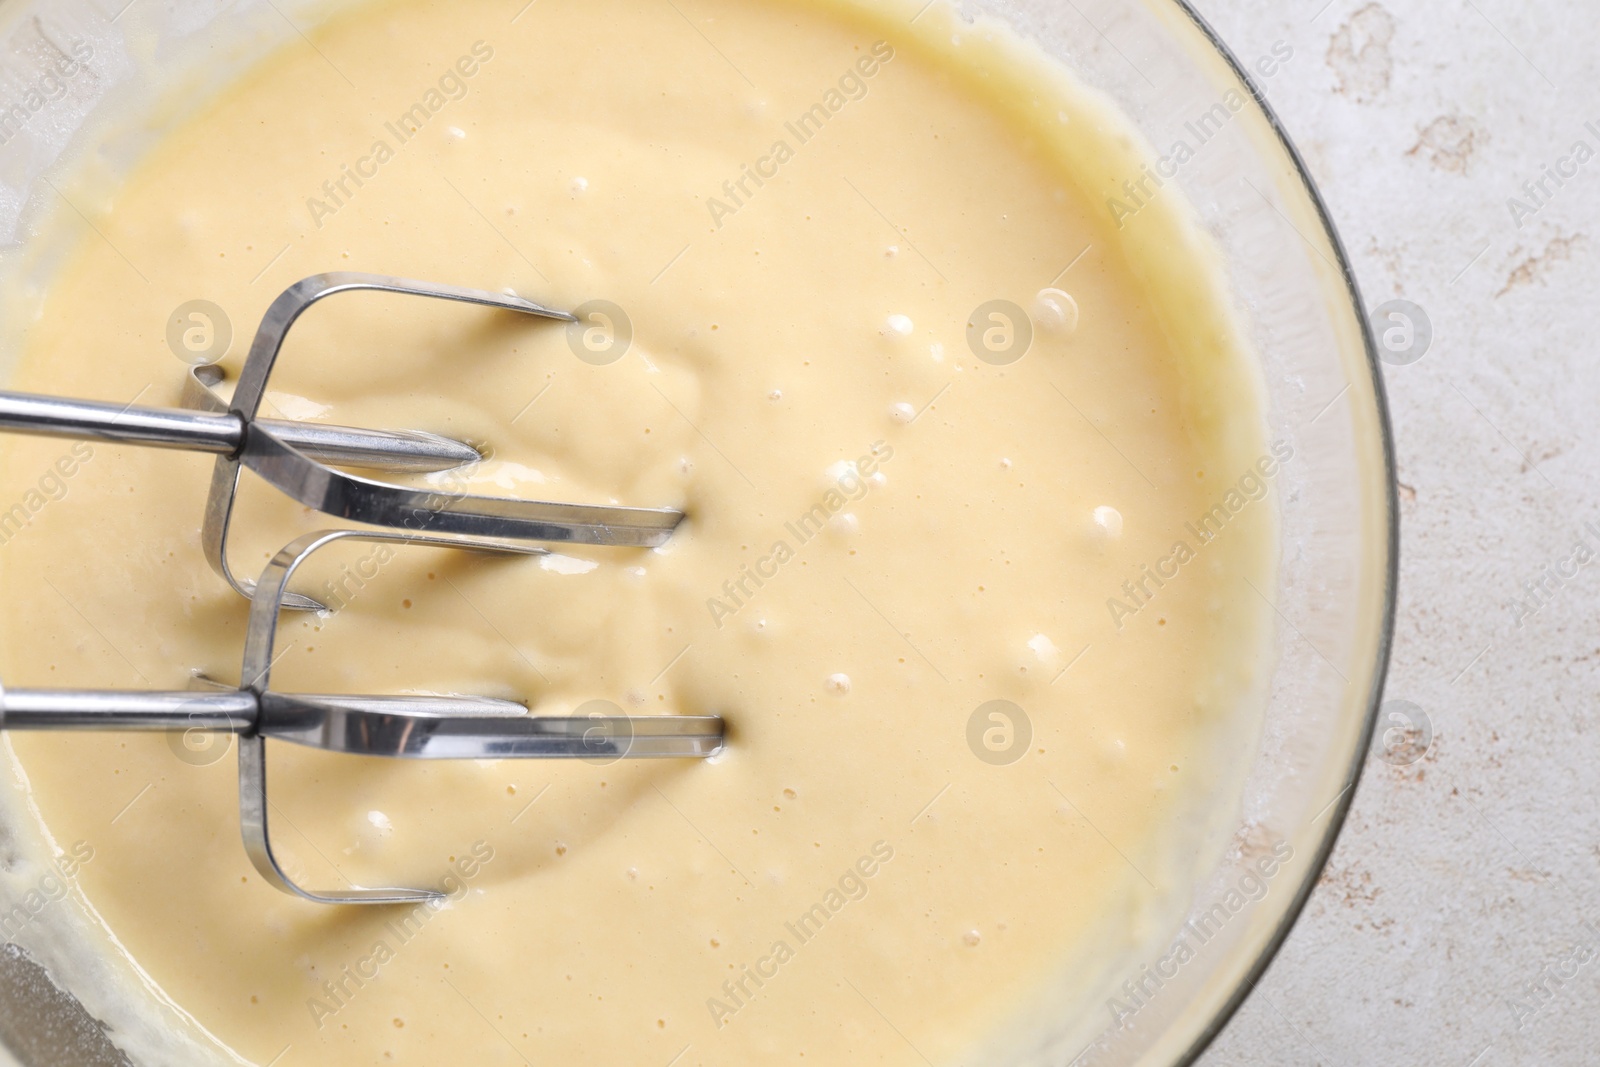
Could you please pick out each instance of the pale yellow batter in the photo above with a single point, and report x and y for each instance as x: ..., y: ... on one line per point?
x: 799, y: 208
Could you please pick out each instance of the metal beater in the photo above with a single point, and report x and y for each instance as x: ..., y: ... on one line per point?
x: 404, y: 727
x: 293, y: 456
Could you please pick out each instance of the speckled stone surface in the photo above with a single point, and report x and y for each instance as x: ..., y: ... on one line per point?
x: 1450, y: 926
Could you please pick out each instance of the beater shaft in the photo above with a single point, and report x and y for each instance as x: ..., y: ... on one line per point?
x: 97, y: 709
x: 224, y: 433
x: 401, y: 727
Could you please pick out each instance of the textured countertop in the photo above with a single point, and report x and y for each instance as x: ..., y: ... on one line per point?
x: 1449, y: 927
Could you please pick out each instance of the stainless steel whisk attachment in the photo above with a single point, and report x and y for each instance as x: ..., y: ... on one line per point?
x: 402, y: 727
x: 293, y: 456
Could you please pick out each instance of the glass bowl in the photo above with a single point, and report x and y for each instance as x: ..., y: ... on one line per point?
x: 1296, y: 297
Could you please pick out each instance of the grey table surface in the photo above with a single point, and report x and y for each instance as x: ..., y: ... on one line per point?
x: 1458, y: 921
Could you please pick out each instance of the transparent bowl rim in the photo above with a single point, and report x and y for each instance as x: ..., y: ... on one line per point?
x: 1341, y: 807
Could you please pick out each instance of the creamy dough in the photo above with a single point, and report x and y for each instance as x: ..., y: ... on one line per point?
x: 799, y: 353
